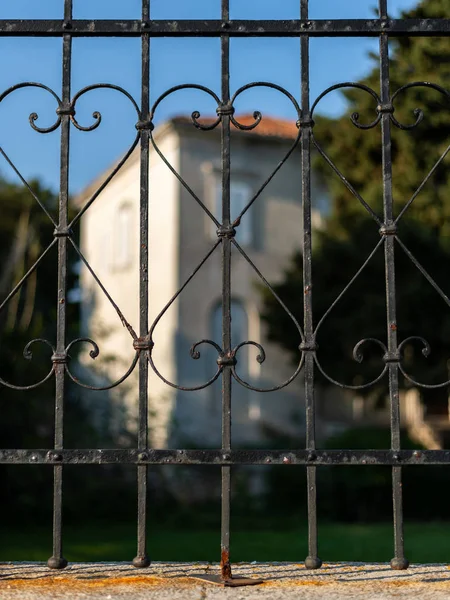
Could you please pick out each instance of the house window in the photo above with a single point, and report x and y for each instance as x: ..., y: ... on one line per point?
x: 105, y: 251
x: 239, y: 333
x: 123, y: 237
x: 239, y: 329
x: 247, y: 405
x: 240, y: 196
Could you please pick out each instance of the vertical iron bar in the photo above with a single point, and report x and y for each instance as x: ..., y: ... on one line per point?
x: 312, y: 561
x: 383, y: 9
x: 57, y: 560
x: 142, y: 560
x: 226, y: 298
x: 399, y: 561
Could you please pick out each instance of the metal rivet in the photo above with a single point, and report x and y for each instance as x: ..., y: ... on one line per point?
x: 53, y: 456
x: 227, y: 360
x: 145, y: 125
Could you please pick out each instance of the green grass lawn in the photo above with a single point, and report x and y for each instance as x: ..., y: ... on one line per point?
x: 425, y: 542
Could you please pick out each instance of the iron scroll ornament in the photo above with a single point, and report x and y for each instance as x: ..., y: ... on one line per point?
x: 70, y: 111
x: 229, y: 109
x: 385, y: 229
x: 34, y: 116
x: 93, y: 354
x: 64, y: 359
x: 381, y: 108
x: 28, y: 355
x: 426, y: 350
x: 97, y: 116
x: 222, y: 109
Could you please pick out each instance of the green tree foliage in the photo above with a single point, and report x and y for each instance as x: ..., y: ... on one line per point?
x: 25, y: 233
x: 350, y: 234
x: 362, y: 496
x: 357, y: 152
x: 27, y: 417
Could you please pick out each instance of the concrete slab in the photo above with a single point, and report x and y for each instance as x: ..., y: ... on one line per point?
x: 171, y: 581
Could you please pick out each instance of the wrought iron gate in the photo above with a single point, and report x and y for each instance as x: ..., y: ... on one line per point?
x: 225, y: 457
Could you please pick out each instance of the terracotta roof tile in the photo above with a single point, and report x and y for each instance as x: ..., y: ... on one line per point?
x: 269, y: 126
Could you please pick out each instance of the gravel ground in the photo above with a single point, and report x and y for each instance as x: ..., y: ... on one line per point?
x: 111, y: 581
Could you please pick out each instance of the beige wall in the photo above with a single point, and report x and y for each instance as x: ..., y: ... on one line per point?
x: 277, y: 226
x: 100, y: 320
x: 180, y: 235
x: 99, y: 239
x: 164, y: 231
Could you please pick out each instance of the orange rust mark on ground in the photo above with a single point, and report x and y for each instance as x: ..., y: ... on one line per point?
x: 94, y: 583
x: 297, y: 582
x: 354, y: 584
x: 63, y: 583
x: 310, y: 582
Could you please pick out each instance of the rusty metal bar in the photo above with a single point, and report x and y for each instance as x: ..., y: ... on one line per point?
x: 234, y: 28
x: 312, y: 561
x: 57, y: 560
x: 141, y: 559
x: 399, y: 561
x: 225, y: 564
x: 225, y: 457
x: 217, y: 457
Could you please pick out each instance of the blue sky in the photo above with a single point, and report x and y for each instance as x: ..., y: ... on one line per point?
x: 174, y: 61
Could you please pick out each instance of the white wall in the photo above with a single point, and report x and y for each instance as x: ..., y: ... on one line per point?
x: 277, y: 218
x: 98, y: 241
x: 179, y: 239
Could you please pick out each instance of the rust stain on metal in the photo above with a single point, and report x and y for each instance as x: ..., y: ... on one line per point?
x: 225, y: 565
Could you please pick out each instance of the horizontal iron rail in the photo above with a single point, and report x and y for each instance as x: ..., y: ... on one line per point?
x: 214, y: 28
x: 227, y: 458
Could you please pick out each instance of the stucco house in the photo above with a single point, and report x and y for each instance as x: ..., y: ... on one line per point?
x: 180, y: 235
